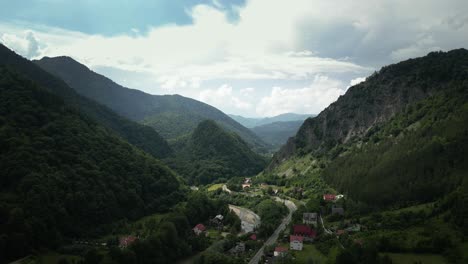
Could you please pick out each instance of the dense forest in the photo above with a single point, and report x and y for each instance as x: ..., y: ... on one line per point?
x: 139, y: 135
x: 418, y: 156
x: 212, y: 154
x: 64, y: 176
x: 172, y: 116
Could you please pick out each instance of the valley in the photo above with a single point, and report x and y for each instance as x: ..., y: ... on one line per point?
x: 94, y: 172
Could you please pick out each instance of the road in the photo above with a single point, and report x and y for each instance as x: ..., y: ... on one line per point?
x: 272, y: 239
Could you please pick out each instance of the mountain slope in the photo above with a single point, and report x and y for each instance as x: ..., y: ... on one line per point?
x: 211, y: 153
x: 277, y: 133
x: 171, y: 115
x: 64, y: 176
x: 418, y: 156
x: 375, y: 101
x: 253, y: 122
x: 139, y: 135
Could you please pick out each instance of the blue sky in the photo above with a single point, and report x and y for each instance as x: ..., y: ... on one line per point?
x: 253, y: 58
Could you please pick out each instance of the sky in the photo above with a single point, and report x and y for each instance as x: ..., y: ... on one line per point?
x: 253, y: 58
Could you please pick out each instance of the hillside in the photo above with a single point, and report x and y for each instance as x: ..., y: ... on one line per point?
x: 277, y: 133
x: 63, y: 175
x: 139, y: 135
x: 210, y: 153
x: 253, y: 122
x: 172, y: 116
x: 375, y: 101
x: 400, y: 138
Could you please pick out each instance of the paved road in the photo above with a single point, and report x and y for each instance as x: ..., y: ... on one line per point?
x: 272, y: 239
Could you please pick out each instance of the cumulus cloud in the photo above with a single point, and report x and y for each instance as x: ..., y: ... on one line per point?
x: 286, y: 47
x: 308, y: 100
x: 24, y: 43
x: 223, y: 97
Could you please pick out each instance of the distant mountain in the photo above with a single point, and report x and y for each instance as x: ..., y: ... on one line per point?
x: 172, y: 116
x: 277, y: 133
x: 251, y: 122
x: 211, y: 153
x: 139, y: 135
x: 63, y: 175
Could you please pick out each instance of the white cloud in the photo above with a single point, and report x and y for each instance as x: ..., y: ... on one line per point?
x: 26, y: 45
x: 223, y: 97
x: 356, y: 81
x: 308, y: 100
x: 287, y: 47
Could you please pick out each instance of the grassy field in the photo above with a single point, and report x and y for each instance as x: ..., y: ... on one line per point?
x: 215, y: 187
x: 416, y: 258
x: 309, y: 252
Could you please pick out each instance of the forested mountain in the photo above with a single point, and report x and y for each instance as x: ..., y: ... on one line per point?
x: 63, y: 175
x: 210, y: 153
x: 139, y: 135
x: 172, y: 116
x: 251, y: 122
x: 375, y: 101
x: 277, y: 133
x: 398, y: 138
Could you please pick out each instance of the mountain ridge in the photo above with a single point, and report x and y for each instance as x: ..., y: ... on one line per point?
x: 170, y: 115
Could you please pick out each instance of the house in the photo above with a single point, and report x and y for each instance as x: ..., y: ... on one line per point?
x: 248, y: 180
x: 309, y: 218
x: 337, y: 210
x: 354, y: 228
x: 198, y: 229
x: 306, y: 232
x: 340, y: 232
x: 280, y: 251
x: 253, y: 237
x: 127, y: 241
x: 296, y: 242
x: 246, y: 185
x: 329, y: 197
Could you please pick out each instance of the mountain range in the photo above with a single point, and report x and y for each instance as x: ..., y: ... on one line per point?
x: 172, y: 116
x: 251, y: 122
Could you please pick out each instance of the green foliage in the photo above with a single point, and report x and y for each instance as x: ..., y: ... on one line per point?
x: 139, y: 135
x: 212, y: 153
x: 418, y: 156
x: 64, y: 176
x: 172, y: 116
x: 271, y: 214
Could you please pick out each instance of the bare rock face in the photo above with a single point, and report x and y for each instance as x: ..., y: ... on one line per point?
x: 375, y: 101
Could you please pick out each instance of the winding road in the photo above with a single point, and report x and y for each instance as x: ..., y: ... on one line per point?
x: 272, y: 239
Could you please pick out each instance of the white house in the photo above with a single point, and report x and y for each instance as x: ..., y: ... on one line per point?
x: 296, y: 242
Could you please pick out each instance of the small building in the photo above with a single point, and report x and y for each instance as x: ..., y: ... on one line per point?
x: 246, y: 185
x: 310, y: 218
x: 340, y: 232
x: 329, y: 197
x: 198, y: 229
x: 296, y: 242
x: 337, y: 210
x: 354, y: 228
x: 306, y: 232
x: 253, y: 237
x: 280, y: 251
x: 248, y: 180
x: 127, y: 241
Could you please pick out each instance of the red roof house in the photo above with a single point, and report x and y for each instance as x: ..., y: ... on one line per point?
x: 280, y: 251
x: 127, y: 241
x: 303, y: 230
x: 329, y: 197
x: 199, y: 229
x: 253, y: 237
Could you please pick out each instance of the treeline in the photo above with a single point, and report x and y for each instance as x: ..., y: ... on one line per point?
x: 64, y: 176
